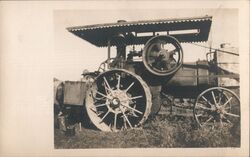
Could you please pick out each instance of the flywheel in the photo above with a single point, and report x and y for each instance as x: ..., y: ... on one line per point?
x: 118, y: 100
x: 162, y: 55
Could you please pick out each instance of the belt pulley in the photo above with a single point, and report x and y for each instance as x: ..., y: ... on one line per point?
x: 162, y: 55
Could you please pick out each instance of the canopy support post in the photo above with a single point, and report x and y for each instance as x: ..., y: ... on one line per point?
x: 109, y: 52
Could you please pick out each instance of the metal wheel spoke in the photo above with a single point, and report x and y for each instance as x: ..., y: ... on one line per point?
x: 226, y: 108
x: 172, y: 65
x: 105, y: 80
x: 132, y: 109
x: 126, y: 118
x: 129, y: 86
x: 102, y: 94
x: 99, y: 98
x: 162, y: 46
x: 96, y: 97
x: 227, y: 119
x: 168, y: 66
x: 136, y: 97
x: 118, y: 82
x: 215, y: 102
x: 227, y: 101
x: 115, y: 120
x: 220, y: 96
x: 100, y: 105
x: 221, y: 123
x: 99, y: 113
x: 104, y: 117
x: 207, y: 121
x: 203, y: 107
x: 172, y: 51
x: 231, y: 114
x: 125, y: 124
x: 106, y: 88
x: 198, y: 115
x: 206, y: 100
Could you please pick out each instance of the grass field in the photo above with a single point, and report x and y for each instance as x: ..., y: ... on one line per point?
x: 164, y: 131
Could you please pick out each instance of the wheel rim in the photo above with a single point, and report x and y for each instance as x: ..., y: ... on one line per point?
x: 162, y: 55
x: 118, y: 100
x: 217, y: 106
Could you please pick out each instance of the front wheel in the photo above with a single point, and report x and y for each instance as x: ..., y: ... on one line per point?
x: 217, y: 105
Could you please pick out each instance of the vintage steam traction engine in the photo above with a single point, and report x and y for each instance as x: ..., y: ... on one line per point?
x: 127, y: 88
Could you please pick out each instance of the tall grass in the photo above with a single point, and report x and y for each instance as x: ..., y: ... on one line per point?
x: 160, y: 132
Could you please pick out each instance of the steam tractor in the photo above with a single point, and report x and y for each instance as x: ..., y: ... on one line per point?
x: 127, y: 89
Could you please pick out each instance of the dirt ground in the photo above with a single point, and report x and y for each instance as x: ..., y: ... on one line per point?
x: 163, y: 131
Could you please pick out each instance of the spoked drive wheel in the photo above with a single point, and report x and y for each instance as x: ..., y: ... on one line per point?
x: 217, y: 106
x: 162, y: 55
x: 118, y: 100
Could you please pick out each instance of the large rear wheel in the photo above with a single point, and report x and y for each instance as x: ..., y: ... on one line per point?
x: 118, y: 100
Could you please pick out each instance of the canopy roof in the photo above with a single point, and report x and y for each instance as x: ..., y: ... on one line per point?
x: 195, y: 29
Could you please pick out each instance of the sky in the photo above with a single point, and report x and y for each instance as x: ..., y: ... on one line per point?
x: 72, y: 54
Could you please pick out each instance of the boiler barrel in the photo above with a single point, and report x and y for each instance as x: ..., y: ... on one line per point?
x: 190, y: 79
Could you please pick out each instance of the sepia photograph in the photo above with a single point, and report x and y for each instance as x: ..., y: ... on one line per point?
x: 124, y: 78
x: 168, y: 79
